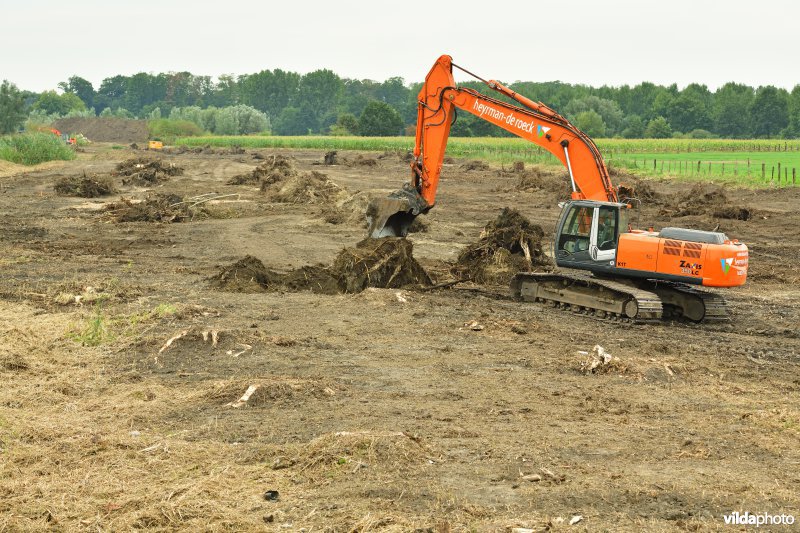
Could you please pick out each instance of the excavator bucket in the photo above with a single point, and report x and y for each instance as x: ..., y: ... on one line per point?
x: 393, y: 215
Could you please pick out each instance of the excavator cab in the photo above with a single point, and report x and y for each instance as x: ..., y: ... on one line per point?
x: 587, y: 235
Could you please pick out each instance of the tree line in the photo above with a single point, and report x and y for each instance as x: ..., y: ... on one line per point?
x: 322, y: 102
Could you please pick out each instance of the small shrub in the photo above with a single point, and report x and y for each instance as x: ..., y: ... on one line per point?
x: 168, y: 129
x: 96, y: 331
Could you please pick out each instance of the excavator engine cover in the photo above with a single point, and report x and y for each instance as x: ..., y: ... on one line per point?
x: 393, y: 215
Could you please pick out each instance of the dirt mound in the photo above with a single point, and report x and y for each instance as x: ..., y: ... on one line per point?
x: 381, y: 450
x: 155, y: 208
x: 638, y: 190
x: 329, y: 158
x: 275, y: 168
x: 384, y: 263
x: 707, y: 200
x: 205, y: 150
x: 507, y: 245
x: 404, y: 156
x: 541, y: 179
x: 360, y: 161
x: 350, y: 210
x: 474, y: 165
x: 146, y: 172
x: 85, y: 186
x: 250, y: 275
x: 105, y: 129
x: 307, y: 188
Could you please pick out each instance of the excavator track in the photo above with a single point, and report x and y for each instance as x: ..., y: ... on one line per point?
x: 640, y: 301
x: 685, y: 301
x: 583, y: 293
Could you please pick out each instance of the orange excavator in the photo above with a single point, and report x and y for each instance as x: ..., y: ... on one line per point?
x: 608, y: 269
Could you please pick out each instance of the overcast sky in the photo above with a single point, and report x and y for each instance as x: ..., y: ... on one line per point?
x: 612, y: 42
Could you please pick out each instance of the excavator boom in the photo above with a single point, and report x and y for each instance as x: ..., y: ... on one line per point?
x: 533, y: 121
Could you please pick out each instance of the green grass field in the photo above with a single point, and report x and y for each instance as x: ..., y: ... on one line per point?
x: 748, y: 162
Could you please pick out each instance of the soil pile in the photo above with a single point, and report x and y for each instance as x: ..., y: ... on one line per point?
x: 707, y: 200
x: 307, y: 188
x: 352, y: 210
x: 360, y: 161
x: 541, y: 179
x: 474, y: 165
x: 329, y: 158
x: 146, y: 172
x: 85, y: 186
x: 275, y: 168
x: 155, y: 208
x: 640, y: 191
x: 384, y: 263
x: 404, y: 156
x: 508, y: 245
x: 205, y: 150
x: 105, y: 129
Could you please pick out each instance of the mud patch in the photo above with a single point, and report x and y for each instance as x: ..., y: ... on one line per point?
x: 381, y: 263
x: 508, y: 245
x: 168, y: 208
x: 707, y: 200
x: 146, y: 172
x: 85, y: 186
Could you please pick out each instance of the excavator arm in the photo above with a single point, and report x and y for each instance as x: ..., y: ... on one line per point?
x: 530, y: 120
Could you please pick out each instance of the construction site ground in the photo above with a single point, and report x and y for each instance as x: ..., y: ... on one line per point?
x: 123, y: 368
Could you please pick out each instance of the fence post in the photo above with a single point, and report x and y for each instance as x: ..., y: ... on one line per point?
x: 654, y: 165
x: 779, y: 173
x: 794, y: 176
x: 698, y: 166
x: 764, y: 171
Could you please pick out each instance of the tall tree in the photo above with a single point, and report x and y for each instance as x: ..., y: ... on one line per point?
x: 53, y: 103
x: 769, y: 111
x: 12, y: 108
x: 318, y: 93
x: 80, y: 87
x: 793, y: 129
x: 732, y: 103
x: 609, y: 111
x: 380, y: 119
x: 269, y: 91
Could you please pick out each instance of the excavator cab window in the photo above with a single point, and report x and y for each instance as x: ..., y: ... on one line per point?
x: 589, y: 234
x: 576, y: 231
x: 607, y: 228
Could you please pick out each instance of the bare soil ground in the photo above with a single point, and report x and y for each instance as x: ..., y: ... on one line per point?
x: 123, y: 368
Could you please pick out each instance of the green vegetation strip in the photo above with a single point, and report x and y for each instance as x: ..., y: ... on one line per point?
x: 746, y: 161
x: 34, y: 148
